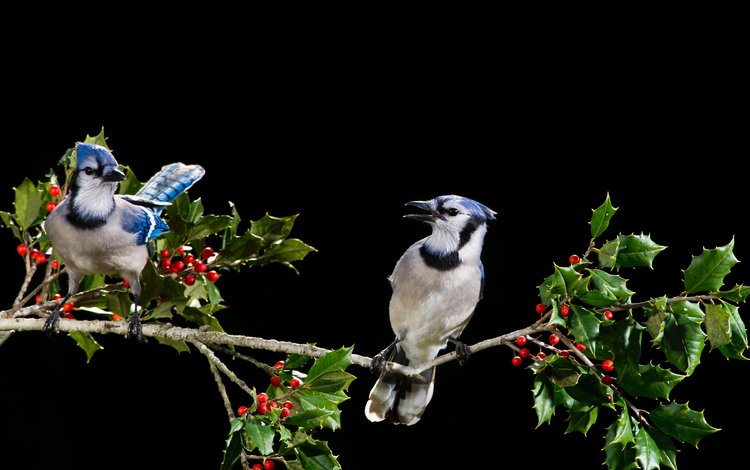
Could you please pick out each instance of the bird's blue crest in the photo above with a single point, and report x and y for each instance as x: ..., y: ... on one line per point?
x: 87, y: 154
x: 475, y: 208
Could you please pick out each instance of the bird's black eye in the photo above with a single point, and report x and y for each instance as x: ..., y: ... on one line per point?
x: 88, y: 170
x: 452, y: 211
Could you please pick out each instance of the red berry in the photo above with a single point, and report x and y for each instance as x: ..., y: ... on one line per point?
x: 68, y: 307
x: 608, y: 365
x: 553, y: 339
x: 54, y: 190
x: 285, y: 412
x: 199, y: 266
x: 50, y: 206
x: 521, y: 340
x: 69, y: 316
x: 580, y: 346
x: 540, y: 308
x: 524, y: 353
x: 607, y: 380
x: 207, y: 252
x: 56, y: 297
x: 116, y: 317
x: 258, y: 466
x: 262, y: 409
x: 189, y: 280
x: 180, y: 250
x: 275, y: 381
x: 268, y: 465
x: 609, y: 315
x: 212, y: 276
x: 55, y: 264
x: 125, y: 283
x: 564, y: 353
x: 564, y: 310
x: 574, y: 259
x: 166, y: 263
x: 164, y: 253
x: 288, y: 404
x: 22, y: 249
x: 262, y: 397
x: 242, y: 410
x: 40, y: 258
x: 541, y: 355
x: 38, y: 298
x: 188, y: 259
x: 516, y: 361
x: 279, y: 365
x: 294, y: 383
x: 273, y: 404
x: 178, y: 265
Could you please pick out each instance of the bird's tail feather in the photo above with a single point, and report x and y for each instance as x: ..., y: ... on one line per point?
x: 171, y: 181
x: 400, y: 399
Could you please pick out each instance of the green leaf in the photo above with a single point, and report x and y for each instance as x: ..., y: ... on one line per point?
x: 618, y: 457
x: 636, y: 251
x: 590, y: 391
x: 621, y: 340
x: 666, y: 448
x: 240, y: 248
x: 718, y: 329
x: 119, y: 302
x: 260, y: 435
x: 231, y: 231
x: 330, y: 382
x: 195, y: 211
x: 86, y: 342
x: 683, y: 339
x: 737, y: 294
x: 584, y: 325
x: 233, y: 448
x: 28, y: 203
x: 544, y: 399
x: 154, y: 285
x: 581, y: 418
x: 201, y: 318
x: 561, y: 371
x: 332, y: 361
x: 7, y: 219
x: 608, y: 254
x: 309, y: 419
x: 314, y: 399
x: 648, y: 380
x: 611, y: 286
x: 738, y: 343
x: 284, y: 252
x: 623, y: 434
x: 681, y: 422
x: 315, y: 455
x: 271, y: 228
x: 180, y: 346
x: 601, y: 217
x: 4, y: 335
x: 208, y: 225
x: 707, y: 270
x: 130, y: 185
x: 646, y: 450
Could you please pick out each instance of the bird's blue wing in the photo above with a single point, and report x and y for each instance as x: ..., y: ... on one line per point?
x: 145, y: 223
x: 171, y: 181
x: 481, y: 286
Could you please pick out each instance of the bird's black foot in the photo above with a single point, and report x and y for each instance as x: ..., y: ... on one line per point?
x: 462, y: 351
x: 135, y: 329
x: 52, y: 324
x: 378, y: 363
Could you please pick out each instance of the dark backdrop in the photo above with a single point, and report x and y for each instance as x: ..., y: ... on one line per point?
x: 343, y: 129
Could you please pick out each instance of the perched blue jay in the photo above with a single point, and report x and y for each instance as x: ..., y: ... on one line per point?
x: 95, y: 231
x: 436, y: 285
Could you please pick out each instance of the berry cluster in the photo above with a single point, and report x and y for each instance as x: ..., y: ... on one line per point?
x: 266, y: 465
x: 34, y: 254
x: 185, y: 266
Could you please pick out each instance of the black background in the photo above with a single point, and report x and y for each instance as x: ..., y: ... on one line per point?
x: 343, y: 128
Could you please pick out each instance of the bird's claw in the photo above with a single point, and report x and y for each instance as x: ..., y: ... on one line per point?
x: 135, y: 329
x: 52, y: 323
x: 378, y: 363
x: 462, y: 352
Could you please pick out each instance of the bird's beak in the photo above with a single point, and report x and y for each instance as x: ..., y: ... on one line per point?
x: 113, y: 175
x: 425, y: 206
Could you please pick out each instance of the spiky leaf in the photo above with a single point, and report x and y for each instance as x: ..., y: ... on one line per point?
x: 584, y: 325
x: 581, y: 418
x: 682, y: 423
x: 718, y: 329
x: 316, y: 455
x: 332, y: 361
x: 646, y: 450
x: 737, y: 293
x: 271, y: 228
x: 707, y: 271
x: 608, y: 253
x: 648, y: 380
x: 28, y: 202
x: 683, y: 339
x: 86, y: 342
x: 260, y: 435
x: 544, y: 400
x: 590, y: 391
x: 610, y: 286
x: 601, y: 217
x: 636, y: 251
x: 738, y: 343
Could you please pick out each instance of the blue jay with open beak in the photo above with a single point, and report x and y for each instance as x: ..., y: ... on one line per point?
x: 436, y: 285
x: 95, y: 231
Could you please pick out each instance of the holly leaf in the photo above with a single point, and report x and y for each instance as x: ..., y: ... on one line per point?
x: 610, y: 286
x: 86, y: 342
x: 271, y: 228
x: 636, y: 251
x: 28, y: 202
x: 648, y: 380
x: 316, y: 455
x: 646, y: 450
x: 738, y: 342
x: 208, y: 225
x: 707, y: 271
x: 312, y: 418
x: 623, y: 432
x: 544, y: 399
x: 601, y: 216
x: 608, y: 254
x: 589, y: 391
x: 682, y: 423
x: 584, y: 325
x: 683, y: 339
x: 581, y: 418
x: 233, y: 447
x: 737, y: 294
x: 718, y: 329
x: 284, y: 252
x: 665, y: 446
x: 332, y: 361
x: 260, y: 435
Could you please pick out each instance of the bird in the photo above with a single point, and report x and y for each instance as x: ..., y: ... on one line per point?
x: 436, y: 285
x: 95, y: 231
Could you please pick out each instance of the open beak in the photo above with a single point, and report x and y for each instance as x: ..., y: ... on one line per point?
x: 425, y: 206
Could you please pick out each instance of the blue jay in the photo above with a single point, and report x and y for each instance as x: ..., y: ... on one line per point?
x: 436, y: 285
x: 95, y: 231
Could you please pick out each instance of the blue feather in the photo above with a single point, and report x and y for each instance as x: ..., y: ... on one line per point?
x: 145, y: 224
x: 171, y: 181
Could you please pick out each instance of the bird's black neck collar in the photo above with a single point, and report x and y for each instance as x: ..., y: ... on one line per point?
x: 440, y: 261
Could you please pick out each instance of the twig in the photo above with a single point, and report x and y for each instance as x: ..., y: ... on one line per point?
x: 222, y: 389
x: 260, y: 365
x: 25, y: 285
x: 671, y: 300
x: 219, y: 365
